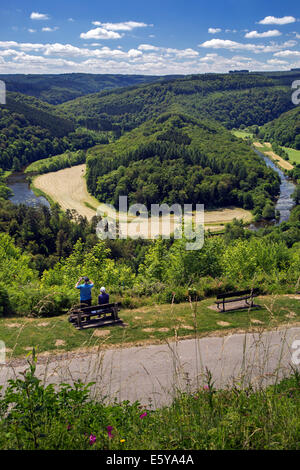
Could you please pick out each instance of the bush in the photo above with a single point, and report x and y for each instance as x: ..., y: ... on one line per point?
x: 31, y: 300
x: 5, y: 308
x: 36, y: 417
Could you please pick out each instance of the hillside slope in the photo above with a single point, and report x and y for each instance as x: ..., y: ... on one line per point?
x: 31, y: 130
x: 231, y: 99
x: 178, y: 159
x: 58, y: 88
x: 285, y: 130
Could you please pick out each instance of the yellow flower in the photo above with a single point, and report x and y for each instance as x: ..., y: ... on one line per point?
x: 122, y: 440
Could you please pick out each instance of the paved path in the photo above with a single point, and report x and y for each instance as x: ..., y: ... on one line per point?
x: 151, y: 373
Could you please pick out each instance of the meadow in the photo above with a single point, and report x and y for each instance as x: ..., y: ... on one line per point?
x: 151, y: 324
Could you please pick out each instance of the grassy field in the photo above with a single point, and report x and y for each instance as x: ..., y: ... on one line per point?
x: 146, y: 325
x: 242, y: 134
x: 294, y: 155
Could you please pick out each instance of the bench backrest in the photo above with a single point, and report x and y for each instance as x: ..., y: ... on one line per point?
x: 237, y: 293
x: 97, y: 308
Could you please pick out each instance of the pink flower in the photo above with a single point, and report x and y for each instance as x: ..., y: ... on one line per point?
x: 92, y: 439
x: 109, y: 432
x: 206, y: 387
x: 143, y: 415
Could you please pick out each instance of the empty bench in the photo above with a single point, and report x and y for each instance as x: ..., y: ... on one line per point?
x: 246, y: 295
x: 81, y: 315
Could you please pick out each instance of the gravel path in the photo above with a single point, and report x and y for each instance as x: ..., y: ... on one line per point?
x: 151, y: 373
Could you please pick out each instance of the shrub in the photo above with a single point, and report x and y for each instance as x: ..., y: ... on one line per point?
x: 5, y: 308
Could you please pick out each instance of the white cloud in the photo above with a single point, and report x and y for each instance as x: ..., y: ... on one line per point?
x: 100, y: 33
x: 256, y: 48
x: 39, y: 16
x: 265, y: 34
x: 148, y: 47
x: 49, y: 30
x: 125, y: 26
x: 31, y: 30
x: 71, y: 20
x: 274, y: 20
x: 214, y: 30
x: 134, y: 53
x: 287, y: 53
x: 277, y: 62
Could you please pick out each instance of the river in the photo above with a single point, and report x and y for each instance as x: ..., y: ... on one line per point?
x: 284, y: 202
x: 22, y: 193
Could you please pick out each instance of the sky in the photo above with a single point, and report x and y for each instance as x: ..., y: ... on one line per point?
x: 148, y: 37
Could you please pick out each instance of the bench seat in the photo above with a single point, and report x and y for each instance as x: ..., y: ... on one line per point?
x: 81, y: 315
x: 237, y: 297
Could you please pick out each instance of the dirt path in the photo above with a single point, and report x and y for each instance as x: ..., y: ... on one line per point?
x: 281, y: 162
x: 152, y: 373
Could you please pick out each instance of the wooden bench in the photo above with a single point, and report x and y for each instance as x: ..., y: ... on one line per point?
x: 81, y: 316
x: 246, y: 295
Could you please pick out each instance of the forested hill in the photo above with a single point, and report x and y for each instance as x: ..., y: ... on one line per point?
x: 30, y: 130
x: 176, y: 158
x: 40, y: 114
x: 285, y: 130
x: 56, y: 88
x: 232, y: 99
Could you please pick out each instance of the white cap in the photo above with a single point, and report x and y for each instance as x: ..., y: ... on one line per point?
x: 102, y: 289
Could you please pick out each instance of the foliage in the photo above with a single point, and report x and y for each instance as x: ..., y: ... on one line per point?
x: 34, y: 416
x: 28, y: 133
x: 285, y: 130
x: 178, y: 159
x: 58, y: 88
x: 56, y: 163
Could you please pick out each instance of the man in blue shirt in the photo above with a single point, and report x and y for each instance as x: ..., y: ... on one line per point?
x: 85, y: 290
x: 103, y: 298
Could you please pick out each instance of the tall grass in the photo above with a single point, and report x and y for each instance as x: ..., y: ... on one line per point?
x: 180, y: 400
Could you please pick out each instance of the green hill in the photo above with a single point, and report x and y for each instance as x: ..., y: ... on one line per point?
x: 31, y: 130
x: 58, y: 88
x: 285, y: 130
x: 176, y: 158
x: 231, y: 99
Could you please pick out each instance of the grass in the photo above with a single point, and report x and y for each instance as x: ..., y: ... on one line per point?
x: 35, y: 417
x: 279, y: 161
x: 153, y: 324
x: 242, y: 134
x: 87, y: 204
x: 294, y: 155
x: 38, y: 192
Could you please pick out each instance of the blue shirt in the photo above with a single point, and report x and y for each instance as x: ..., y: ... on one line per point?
x: 103, y: 298
x: 85, y: 291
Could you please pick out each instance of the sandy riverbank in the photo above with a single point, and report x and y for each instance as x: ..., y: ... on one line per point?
x: 68, y: 188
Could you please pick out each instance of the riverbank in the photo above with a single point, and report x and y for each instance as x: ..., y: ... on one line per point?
x: 266, y: 148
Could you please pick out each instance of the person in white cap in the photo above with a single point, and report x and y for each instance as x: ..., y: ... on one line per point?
x: 103, y: 298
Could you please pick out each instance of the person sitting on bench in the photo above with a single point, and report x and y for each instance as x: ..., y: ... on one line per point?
x: 85, y: 290
x: 103, y: 298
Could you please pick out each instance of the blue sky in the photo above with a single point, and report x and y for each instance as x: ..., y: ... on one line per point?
x: 148, y: 37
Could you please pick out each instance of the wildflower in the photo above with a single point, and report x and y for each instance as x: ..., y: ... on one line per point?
x: 122, y: 440
x: 92, y: 439
x: 206, y: 387
x: 109, y: 432
x: 69, y: 427
x: 143, y: 415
